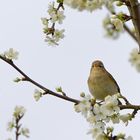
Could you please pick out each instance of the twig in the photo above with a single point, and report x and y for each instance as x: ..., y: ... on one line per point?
x: 60, y: 5
x: 134, y: 113
x: 130, y: 32
x: 135, y: 107
x: 47, y: 91
x: 17, y: 127
x: 126, y: 101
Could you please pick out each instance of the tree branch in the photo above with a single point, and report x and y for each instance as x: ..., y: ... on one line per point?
x: 130, y: 32
x: 64, y: 97
x: 27, y: 78
x: 125, y: 27
x: 135, y: 107
x: 134, y: 9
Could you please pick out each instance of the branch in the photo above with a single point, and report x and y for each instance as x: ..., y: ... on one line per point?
x: 130, y: 32
x: 17, y: 127
x: 27, y: 78
x: 64, y: 97
x: 129, y: 106
x: 57, y: 9
x: 125, y: 26
x: 134, y: 9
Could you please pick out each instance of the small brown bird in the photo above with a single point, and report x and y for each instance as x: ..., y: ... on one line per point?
x: 100, y: 82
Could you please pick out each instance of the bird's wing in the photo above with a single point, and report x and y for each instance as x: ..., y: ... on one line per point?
x: 114, y: 81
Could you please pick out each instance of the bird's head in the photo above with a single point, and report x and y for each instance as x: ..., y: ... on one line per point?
x: 97, y: 64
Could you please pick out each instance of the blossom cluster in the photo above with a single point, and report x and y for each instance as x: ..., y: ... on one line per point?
x: 18, y: 114
x: 39, y: 93
x: 114, y: 24
x: 89, y: 5
x: 56, y: 15
x: 117, y: 22
x: 10, y: 54
x: 100, y: 114
x: 113, y: 27
x: 135, y: 59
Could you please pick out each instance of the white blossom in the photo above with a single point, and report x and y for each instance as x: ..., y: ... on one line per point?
x: 11, y: 54
x: 45, y: 22
x: 58, y: 34
x: 115, y: 118
x: 99, y: 112
x: 135, y: 59
x: 91, y: 118
x: 110, y: 108
x: 79, y: 4
x: 111, y: 105
x: 25, y: 132
x: 95, y: 131
x: 84, y: 106
x: 125, y: 118
x: 11, y: 125
x: 113, y: 98
x: 51, y: 8
x: 109, y: 28
x: 89, y: 5
x: 57, y: 16
x: 101, y: 125
x: 37, y: 94
x: 117, y: 23
x: 19, y: 111
x: 109, y: 5
x: 51, y: 41
x: 94, y: 4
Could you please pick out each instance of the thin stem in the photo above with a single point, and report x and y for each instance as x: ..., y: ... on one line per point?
x: 17, y: 127
x: 130, y: 32
x: 59, y: 6
x: 126, y: 101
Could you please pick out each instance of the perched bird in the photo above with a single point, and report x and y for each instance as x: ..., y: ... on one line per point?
x: 100, y: 82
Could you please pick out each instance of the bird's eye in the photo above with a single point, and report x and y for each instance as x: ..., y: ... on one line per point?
x: 100, y: 66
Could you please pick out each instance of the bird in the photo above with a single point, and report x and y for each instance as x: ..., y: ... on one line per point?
x: 100, y: 82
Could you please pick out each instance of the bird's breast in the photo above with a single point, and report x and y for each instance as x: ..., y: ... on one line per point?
x: 101, y: 85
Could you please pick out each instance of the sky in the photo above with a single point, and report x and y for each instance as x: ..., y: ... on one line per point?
x: 66, y: 65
